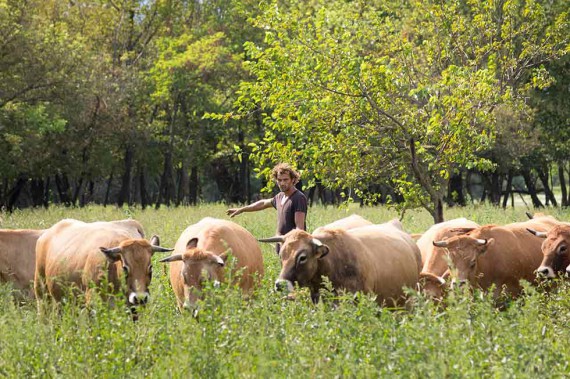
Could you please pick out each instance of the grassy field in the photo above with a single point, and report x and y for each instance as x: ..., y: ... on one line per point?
x: 267, y: 336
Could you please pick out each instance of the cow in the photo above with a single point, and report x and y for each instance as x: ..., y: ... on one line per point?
x: 201, y: 254
x: 435, y: 267
x: 350, y: 222
x: 75, y: 255
x: 497, y: 255
x: 555, y: 256
x: 375, y: 259
x: 18, y: 260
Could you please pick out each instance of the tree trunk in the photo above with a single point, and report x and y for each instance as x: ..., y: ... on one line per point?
x: 86, y: 198
x: 193, y: 186
x: 437, y: 211
x: 108, y: 191
x: 531, y: 188
x: 77, y: 192
x: 508, y: 189
x: 125, y: 192
x: 14, y: 193
x: 142, y: 188
x: 167, y: 190
x: 63, y: 189
x: 544, y: 175
x: 495, y: 196
x: 563, y: 189
x: 183, y: 185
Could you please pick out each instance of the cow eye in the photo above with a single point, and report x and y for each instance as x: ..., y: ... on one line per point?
x: 126, y: 270
x: 562, y: 249
x: 302, y: 259
x: 472, y: 264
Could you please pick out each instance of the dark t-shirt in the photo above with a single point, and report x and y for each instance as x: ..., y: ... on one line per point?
x: 297, y: 202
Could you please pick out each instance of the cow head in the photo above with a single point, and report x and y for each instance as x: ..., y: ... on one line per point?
x: 464, y: 252
x: 433, y: 286
x: 135, y: 256
x: 300, y: 255
x: 199, y: 265
x: 556, y: 258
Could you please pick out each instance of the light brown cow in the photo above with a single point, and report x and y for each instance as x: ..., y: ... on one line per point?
x: 18, y: 259
x: 434, y: 258
x: 201, y: 252
x: 555, y: 255
x: 375, y: 259
x: 497, y: 255
x: 350, y: 222
x: 74, y: 254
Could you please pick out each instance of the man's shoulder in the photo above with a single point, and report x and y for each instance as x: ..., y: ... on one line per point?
x: 299, y: 194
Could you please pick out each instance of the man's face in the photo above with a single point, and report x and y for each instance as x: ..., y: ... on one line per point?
x: 284, y: 182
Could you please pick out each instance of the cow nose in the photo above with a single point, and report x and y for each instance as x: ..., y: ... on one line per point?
x: 545, y: 272
x: 458, y: 283
x: 542, y: 272
x: 282, y: 285
x: 138, y: 298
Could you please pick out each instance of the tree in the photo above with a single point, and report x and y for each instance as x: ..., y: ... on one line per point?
x: 351, y: 89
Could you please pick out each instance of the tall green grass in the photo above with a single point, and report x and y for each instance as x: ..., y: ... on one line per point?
x: 268, y: 336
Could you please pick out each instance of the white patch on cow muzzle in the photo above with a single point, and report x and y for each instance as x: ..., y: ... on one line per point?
x: 546, y: 272
x: 283, y: 284
x: 138, y: 298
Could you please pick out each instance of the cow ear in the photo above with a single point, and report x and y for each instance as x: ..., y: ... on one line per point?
x: 321, y: 251
x: 113, y: 254
x: 192, y: 243
x: 154, y: 240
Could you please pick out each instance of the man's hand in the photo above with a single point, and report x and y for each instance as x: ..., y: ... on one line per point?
x: 234, y: 212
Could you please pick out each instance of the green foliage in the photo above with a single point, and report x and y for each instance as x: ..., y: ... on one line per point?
x: 267, y: 336
x: 380, y: 92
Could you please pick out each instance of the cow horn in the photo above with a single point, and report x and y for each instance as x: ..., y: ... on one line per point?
x: 279, y: 239
x: 160, y: 249
x: 440, y: 243
x: 480, y: 241
x: 172, y: 258
x: 537, y: 233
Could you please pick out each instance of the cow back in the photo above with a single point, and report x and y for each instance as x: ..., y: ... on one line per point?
x: 350, y: 222
x: 385, y: 258
x: 18, y: 258
x: 433, y: 258
x: 69, y: 252
x: 217, y: 236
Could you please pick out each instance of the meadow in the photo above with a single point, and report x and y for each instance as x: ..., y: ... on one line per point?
x: 268, y: 336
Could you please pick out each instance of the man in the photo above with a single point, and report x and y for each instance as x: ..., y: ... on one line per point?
x: 291, y: 204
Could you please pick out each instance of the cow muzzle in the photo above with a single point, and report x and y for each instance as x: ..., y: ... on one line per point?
x: 282, y: 285
x: 546, y: 272
x: 457, y: 283
x: 138, y: 298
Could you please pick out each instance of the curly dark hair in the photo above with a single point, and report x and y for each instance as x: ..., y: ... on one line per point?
x: 285, y: 168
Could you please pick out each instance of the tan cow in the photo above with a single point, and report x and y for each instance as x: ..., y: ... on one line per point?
x: 434, y: 258
x: 201, y: 252
x: 18, y: 259
x: 555, y: 255
x: 350, y: 222
x: 497, y: 255
x: 375, y: 259
x: 75, y: 254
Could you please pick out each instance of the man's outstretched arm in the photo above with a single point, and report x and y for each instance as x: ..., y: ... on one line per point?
x: 253, y: 207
